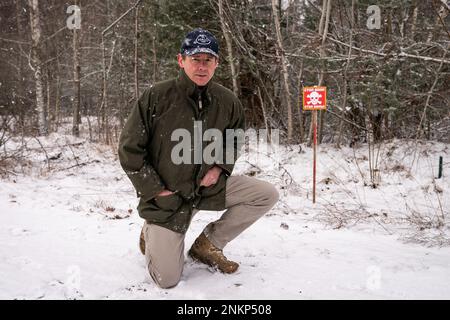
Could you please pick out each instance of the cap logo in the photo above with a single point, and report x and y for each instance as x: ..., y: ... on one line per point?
x: 202, y: 40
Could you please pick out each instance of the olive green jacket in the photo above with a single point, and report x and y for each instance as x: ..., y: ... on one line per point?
x: 146, y: 145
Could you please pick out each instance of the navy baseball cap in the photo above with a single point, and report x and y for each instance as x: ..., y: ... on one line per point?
x: 200, y: 41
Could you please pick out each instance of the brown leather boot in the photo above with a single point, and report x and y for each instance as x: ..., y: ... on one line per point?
x: 204, y: 251
x: 142, y: 241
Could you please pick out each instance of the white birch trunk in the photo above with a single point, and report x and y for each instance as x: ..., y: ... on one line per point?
x: 284, y: 68
x: 36, y: 34
x: 76, y: 81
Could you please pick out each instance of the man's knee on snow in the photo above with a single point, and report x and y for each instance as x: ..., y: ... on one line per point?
x: 165, y: 279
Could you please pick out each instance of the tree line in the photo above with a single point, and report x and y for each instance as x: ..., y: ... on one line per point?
x: 385, y: 63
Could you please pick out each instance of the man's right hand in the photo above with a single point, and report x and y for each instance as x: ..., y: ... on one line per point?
x: 164, y: 193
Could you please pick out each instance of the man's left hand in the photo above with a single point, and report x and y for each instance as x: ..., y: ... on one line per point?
x: 211, y: 176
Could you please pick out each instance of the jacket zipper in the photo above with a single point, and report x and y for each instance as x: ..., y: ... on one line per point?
x: 200, y: 103
x: 198, y: 166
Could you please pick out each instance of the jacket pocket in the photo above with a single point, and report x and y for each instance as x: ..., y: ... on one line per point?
x: 170, y: 203
x: 160, y: 209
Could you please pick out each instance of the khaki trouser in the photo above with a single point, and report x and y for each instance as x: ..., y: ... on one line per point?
x: 247, y: 199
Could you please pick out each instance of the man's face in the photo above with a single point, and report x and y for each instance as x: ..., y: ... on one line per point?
x: 199, y: 67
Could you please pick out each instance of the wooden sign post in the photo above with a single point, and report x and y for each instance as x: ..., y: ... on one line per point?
x: 314, y: 98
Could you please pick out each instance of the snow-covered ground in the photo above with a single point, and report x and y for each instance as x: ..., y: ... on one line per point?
x: 69, y: 227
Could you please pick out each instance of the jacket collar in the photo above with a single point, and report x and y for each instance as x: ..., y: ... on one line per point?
x: 189, y: 86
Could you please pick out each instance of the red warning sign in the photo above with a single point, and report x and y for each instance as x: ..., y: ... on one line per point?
x: 314, y: 98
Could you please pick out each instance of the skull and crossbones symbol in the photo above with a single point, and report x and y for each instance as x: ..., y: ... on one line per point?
x: 314, y: 98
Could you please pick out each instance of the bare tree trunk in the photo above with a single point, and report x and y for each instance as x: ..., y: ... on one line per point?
x: 155, y: 59
x: 414, y: 20
x: 76, y: 82
x: 57, y: 102
x: 20, y: 74
x: 322, y: 54
x: 284, y: 67
x: 299, y: 109
x: 136, y: 38
x: 56, y: 108
x: 226, y: 34
x: 323, y: 30
x: 322, y: 16
x: 36, y: 34
x: 404, y: 17
x: 154, y: 39
x: 48, y: 85
x: 104, y: 102
x: 344, y: 95
x: 324, y: 37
